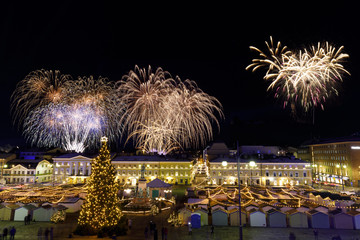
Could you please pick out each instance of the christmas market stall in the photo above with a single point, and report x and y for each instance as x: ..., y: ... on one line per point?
x: 276, y: 218
x: 73, y: 204
x: 356, y: 218
x: 22, y: 212
x: 257, y: 218
x: 44, y: 213
x: 234, y: 217
x: 297, y: 219
x: 219, y: 217
x: 340, y: 220
x: 318, y: 219
x: 7, y: 212
x: 184, y: 215
x: 204, y: 216
x: 159, y: 188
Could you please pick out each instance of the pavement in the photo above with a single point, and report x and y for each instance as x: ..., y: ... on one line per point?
x: 29, y: 232
x: 220, y: 233
x: 139, y: 222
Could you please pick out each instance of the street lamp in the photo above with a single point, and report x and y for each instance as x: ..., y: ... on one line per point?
x: 238, y: 170
x: 341, y: 172
x: 314, y: 166
x: 224, y: 164
x: 251, y: 164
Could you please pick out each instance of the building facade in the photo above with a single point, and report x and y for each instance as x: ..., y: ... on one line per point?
x: 75, y: 168
x: 4, y: 158
x: 173, y: 171
x: 266, y: 172
x: 72, y: 168
x: 28, y: 171
x: 337, y: 161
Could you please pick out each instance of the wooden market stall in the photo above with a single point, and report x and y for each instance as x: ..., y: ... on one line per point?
x: 219, y: 217
x: 276, y: 218
x: 257, y: 218
x: 297, y: 219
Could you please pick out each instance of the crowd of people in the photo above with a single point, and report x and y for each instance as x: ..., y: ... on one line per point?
x: 153, y: 231
x: 9, y: 233
x: 47, y: 234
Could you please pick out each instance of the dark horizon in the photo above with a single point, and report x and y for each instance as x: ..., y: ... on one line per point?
x: 208, y: 46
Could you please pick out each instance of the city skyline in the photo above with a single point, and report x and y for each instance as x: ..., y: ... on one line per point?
x: 211, y: 49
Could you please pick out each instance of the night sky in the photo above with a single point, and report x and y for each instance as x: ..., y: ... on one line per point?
x: 207, y: 43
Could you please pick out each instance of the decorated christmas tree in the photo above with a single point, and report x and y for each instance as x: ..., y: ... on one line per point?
x: 101, y: 209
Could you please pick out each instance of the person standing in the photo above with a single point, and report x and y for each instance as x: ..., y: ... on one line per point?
x: 146, y: 232
x: 5, y: 233
x: 190, y: 229
x: 29, y: 217
x: 151, y: 227
x: 129, y: 223
x: 165, y: 233
x: 292, y: 236
x: 212, y: 229
x: 12, y: 233
x: 316, y: 234
x: 39, y: 233
x: 46, y: 234
x: 51, y: 233
x: 155, y: 234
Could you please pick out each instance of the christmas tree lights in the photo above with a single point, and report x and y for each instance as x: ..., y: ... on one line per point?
x: 101, y: 209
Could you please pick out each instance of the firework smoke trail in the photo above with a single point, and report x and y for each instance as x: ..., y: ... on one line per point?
x: 308, y: 77
x: 58, y: 111
x: 164, y: 114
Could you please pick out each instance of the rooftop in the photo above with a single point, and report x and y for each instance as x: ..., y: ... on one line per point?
x: 147, y: 158
x: 72, y: 155
x: 282, y: 159
x: 157, y: 183
x: 352, y: 138
x: 28, y: 163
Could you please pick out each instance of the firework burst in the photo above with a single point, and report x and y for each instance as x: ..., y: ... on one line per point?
x: 307, y: 77
x: 192, y: 111
x: 164, y: 114
x: 37, y: 89
x: 73, y: 127
x: 143, y: 93
x: 57, y: 111
x: 100, y: 96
